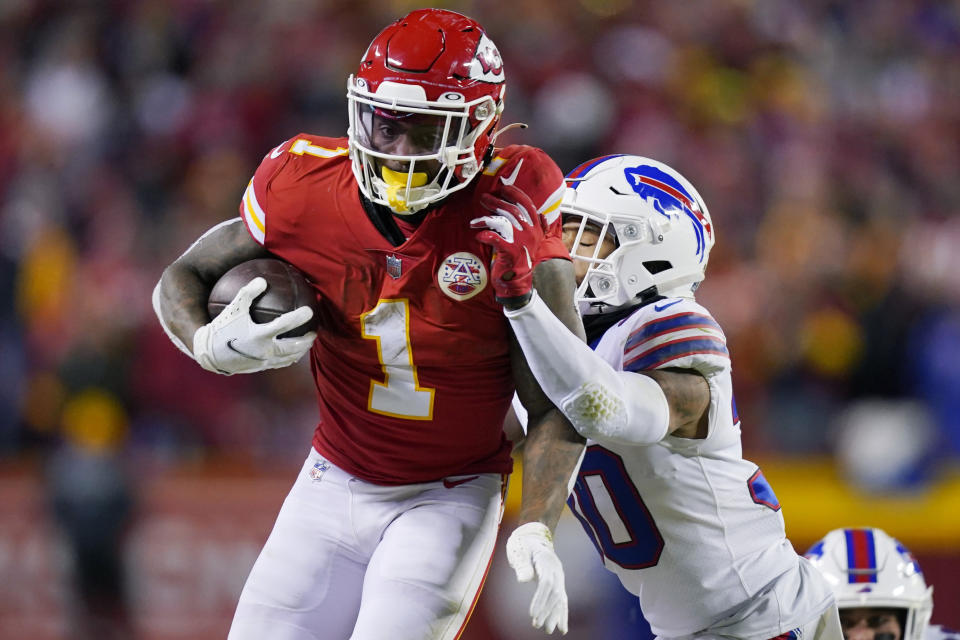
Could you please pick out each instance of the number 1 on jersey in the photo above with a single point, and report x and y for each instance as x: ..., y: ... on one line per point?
x: 400, y: 394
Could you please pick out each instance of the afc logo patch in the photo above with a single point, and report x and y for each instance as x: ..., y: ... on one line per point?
x: 461, y: 276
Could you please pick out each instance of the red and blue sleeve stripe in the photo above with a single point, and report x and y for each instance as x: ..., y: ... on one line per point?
x: 676, y: 322
x: 675, y: 349
x: 861, y: 555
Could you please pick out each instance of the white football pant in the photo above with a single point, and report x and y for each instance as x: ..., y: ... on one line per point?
x: 826, y: 626
x: 352, y: 560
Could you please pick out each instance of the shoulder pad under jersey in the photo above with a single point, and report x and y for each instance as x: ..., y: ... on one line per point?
x: 272, y: 189
x: 531, y: 170
x: 674, y: 332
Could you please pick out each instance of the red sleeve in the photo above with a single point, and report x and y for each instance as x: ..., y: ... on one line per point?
x: 534, y: 172
x: 276, y: 191
x: 254, y: 205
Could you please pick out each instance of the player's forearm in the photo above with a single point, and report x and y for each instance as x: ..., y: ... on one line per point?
x: 180, y: 298
x: 552, y: 448
x: 551, y: 454
x: 180, y: 303
x: 602, y: 404
x: 556, y: 283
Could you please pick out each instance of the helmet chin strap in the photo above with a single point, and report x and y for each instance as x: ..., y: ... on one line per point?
x: 646, y: 296
x: 397, y: 181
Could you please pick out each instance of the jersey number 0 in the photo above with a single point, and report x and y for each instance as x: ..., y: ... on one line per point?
x: 400, y: 394
x: 607, y: 504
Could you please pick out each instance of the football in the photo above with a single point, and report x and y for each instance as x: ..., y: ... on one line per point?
x: 287, y: 289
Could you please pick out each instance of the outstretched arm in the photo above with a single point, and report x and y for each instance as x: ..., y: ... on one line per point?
x: 551, y: 454
x: 552, y: 447
x: 515, y: 229
x: 609, y: 406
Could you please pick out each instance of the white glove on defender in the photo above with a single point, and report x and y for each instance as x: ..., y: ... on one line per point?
x: 530, y: 551
x: 233, y: 343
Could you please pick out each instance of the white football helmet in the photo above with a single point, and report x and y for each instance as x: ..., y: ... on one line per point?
x: 660, y: 224
x: 867, y: 568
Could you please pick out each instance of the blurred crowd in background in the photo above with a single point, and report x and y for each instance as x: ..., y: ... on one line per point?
x: 823, y: 135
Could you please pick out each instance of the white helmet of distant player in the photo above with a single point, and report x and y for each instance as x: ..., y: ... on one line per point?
x: 659, y: 222
x: 867, y: 568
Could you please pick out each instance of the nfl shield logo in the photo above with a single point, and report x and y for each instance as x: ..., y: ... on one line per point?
x: 319, y: 468
x: 394, y: 266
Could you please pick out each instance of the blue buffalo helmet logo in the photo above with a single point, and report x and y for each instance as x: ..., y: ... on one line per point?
x: 666, y: 194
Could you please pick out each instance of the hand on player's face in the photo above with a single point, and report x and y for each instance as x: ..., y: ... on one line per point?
x: 870, y: 624
x: 587, y: 246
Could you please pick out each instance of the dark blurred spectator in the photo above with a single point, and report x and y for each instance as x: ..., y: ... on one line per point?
x: 91, y: 497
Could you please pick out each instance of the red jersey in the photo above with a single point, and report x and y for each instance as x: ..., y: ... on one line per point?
x: 411, y: 360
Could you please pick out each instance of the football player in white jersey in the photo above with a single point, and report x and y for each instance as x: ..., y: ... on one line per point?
x: 879, y: 586
x: 664, y: 494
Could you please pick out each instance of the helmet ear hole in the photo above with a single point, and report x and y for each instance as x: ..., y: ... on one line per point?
x: 656, y: 266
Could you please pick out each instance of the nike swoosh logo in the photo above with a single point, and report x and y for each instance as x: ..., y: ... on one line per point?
x: 657, y: 307
x: 245, y: 355
x: 450, y: 484
x: 513, y: 176
x: 276, y: 152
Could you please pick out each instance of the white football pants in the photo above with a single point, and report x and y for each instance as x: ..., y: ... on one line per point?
x: 352, y: 560
x: 826, y: 626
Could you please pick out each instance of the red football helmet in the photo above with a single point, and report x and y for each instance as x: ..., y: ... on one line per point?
x: 423, y: 108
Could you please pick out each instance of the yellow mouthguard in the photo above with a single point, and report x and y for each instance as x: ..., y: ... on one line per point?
x: 396, y: 181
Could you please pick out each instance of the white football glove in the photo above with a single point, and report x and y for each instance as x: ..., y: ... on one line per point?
x: 530, y: 551
x: 233, y: 343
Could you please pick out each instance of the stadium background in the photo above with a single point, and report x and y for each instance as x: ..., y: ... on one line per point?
x: 823, y: 136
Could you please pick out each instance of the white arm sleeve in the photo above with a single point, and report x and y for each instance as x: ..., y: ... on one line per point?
x: 619, y: 407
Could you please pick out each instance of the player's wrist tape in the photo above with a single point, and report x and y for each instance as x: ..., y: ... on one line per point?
x: 618, y: 407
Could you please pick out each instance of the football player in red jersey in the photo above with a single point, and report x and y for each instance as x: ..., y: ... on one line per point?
x: 389, y: 529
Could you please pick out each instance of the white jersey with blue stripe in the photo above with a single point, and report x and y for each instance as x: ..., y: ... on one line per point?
x: 689, y: 526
